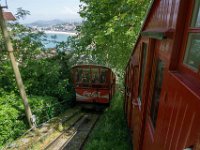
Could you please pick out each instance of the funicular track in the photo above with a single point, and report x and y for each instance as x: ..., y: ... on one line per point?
x: 69, y: 131
x: 76, y: 134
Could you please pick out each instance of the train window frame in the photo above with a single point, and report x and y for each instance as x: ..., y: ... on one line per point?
x: 189, y: 30
x: 154, y: 99
x: 142, y: 70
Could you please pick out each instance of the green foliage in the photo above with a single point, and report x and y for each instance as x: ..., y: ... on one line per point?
x: 45, y: 107
x: 109, y: 31
x: 21, y: 13
x: 42, y: 75
x: 12, y: 117
x: 11, y: 125
x: 26, y: 42
x: 49, y: 76
x: 7, y: 78
x: 46, y: 78
x: 111, y: 131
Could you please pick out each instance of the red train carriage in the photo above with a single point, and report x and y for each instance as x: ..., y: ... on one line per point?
x: 162, y: 83
x: 93, y: 84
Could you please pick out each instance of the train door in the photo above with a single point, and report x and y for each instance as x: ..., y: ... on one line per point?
x: 153, y: 100
x: 139, y: 102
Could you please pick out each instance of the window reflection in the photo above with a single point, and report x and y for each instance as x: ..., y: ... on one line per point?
x: 85, y: 76
x: 192, y: 55
x: 196, y: 15
x: 95, y: 75
x: 142, y: 69
x: 103, y: 75
x: 157, y: 92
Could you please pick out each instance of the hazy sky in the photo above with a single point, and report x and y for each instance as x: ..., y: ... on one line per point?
x: 46, y: 9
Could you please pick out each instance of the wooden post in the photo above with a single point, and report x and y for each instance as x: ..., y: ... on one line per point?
x: 16, y: 70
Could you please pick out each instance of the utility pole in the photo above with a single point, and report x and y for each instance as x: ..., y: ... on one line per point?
x: 15, y: 67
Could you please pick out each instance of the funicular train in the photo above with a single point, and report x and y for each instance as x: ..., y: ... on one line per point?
x: 94, y: 84
x: 162, y: 81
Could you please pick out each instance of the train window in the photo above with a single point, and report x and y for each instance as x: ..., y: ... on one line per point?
x: 103, y: 75
x: 95, y: 75
x: 157, y: 90
x: 85, y: 76
x: 196, y: 15
x: 142, y: 69
x: 192, y: 53
x: 78, y: 75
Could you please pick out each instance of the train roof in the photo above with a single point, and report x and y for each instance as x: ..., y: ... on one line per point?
x: 85, y: 65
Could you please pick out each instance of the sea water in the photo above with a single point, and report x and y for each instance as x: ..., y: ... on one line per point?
x: 52, y: 39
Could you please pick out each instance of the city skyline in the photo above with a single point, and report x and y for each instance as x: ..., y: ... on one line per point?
x: 46, y: 9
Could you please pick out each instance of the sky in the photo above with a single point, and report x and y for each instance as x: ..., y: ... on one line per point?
x: 46, y: 9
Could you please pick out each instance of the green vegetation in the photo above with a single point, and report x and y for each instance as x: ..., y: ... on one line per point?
x: 46, y: 78
x: 13, y: 120
x: 106, y: 37
x: 111, y: 132
x: 109, y: 31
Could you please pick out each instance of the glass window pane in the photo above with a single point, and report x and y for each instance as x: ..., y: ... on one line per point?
x: 196, y: 15
x: 143, y: 67
x: 78, y: 75
x: 157, y: 91
x: 85, y: 76
x: 95, y: 75
x: 192, y: 54
x: 103, y: 75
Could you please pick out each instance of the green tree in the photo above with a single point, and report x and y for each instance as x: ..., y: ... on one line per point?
x: 27, y: 46
x: 109, y: 31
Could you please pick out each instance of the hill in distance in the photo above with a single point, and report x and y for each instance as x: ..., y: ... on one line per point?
x: 45, y: 23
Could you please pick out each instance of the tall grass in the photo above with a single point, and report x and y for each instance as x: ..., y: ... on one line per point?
x: 111, y: 132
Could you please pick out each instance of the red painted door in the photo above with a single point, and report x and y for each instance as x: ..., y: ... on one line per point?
x: 136, y: 111
x: 173, y: 111
x: 139, y: 102
x: 154, y: 95
x: 178, y: 119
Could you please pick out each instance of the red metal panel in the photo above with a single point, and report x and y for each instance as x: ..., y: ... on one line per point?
x: 178, y: 123
x: 165, y: 15
x: 92, y: 95
x: 178, y: 120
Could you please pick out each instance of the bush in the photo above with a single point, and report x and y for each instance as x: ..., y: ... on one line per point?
x: 45, y: 107
x: 7, y: 78
x: 49, y: 77
x: 13, y: 122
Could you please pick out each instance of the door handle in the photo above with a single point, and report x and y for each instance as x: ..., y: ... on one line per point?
x: 135, y: 103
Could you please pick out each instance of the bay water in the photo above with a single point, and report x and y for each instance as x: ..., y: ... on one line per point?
x: 53, y: 38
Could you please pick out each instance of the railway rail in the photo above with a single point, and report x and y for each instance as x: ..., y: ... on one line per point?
x: 68, y: 131
x: 75, y: 136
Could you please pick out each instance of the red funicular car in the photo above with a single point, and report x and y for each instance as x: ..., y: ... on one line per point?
x: 94, y: 84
